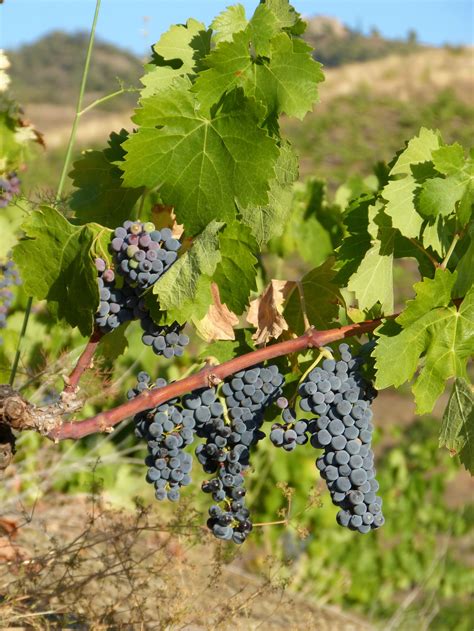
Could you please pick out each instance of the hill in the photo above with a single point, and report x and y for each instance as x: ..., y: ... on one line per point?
x: 336, y: 44
x: 50, y: 70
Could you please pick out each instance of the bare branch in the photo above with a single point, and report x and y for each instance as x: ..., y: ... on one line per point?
x: 148, y: 399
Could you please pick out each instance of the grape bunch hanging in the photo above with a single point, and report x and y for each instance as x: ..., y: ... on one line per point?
x: 230, y: 421
x: 141, y: 254
x: 334, y: 398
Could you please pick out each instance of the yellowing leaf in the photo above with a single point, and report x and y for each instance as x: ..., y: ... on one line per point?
x: 219, y: 321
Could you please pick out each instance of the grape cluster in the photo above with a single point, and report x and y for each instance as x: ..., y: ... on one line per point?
x: 166, y: 340
x: 290, y: 432
x: 9, y: 277
x: 340, y: 398
x: 226, y: 451
x: 116, y: 305
x: 167, y: 429
x: 9, y: 187
x: 143, y: 253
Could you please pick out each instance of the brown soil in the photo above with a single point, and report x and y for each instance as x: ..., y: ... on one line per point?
x: 84, y: 566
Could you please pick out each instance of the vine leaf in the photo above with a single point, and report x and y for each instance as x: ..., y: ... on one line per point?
x: 400, y: 197
x: 201, y: 165
x: 439, y: 196
x: 55, y: 263
x: 457, y: 429
x: 183, y: 293
x: 268, y: 221
x: 219, y: 321
x: 372, y: 282
x: 266, y: 312
x: 228, y: 22
x: 419, y: 150
x: 285, y: 79
x: 432, y: 328
x: 178, y: 52
x: 321, y: 296
x: 100, y: 194
x: 314, y: 226
x: 449, y: 159
x: 235, y: 273
x: 224, y: 350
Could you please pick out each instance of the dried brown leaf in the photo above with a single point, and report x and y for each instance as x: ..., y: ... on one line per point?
x: 219, y: 321
x: 10, y: 551
x: 266, y: 312
x: 163, y: 217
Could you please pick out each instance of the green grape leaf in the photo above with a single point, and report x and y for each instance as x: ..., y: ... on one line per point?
x: 313, y: 228
x: 457, y: 429
x: 10, y: 221
x: 228, y: 22
x: 201, y: 165
x: 224, y: 351
x: 289, y: 83
x: 358, y: 219
x: 114, y: 344
x: 158, y: 79
x: 178, y: 52
x: 430, y: 293
x: 372, y: 281
x: 269, y: 220
x: 182, y: 42
x: 418, y: 150
x: 235, y: 273
x: 322, y: 298
x: 285, y: 80
x: 430, y: 328
x: 439, y: 196
x: 184, y: 291
x: 100, y: 194
x: 449, y: 159
x: 436, y: 235
x: 286, y: 15
x: 465, y: 267
x: 55, y: 263
x: 262, y: 28
x: 400, y: 197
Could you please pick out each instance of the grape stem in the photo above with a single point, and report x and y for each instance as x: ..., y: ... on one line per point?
x: 436, y: 264
x: 306, y: 322
x: 83, y: 363
x: 148, y: 399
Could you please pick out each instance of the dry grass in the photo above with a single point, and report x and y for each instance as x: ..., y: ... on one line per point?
x: 83, y: 565
x: 418, y: 76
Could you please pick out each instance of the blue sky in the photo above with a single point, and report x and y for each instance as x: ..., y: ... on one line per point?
x: 136, y: 24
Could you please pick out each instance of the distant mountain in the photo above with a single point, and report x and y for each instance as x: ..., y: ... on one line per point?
x: 335, y: 44
x: 50, y: 70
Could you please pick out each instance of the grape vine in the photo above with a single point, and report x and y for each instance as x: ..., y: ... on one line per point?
x: 207, y: 160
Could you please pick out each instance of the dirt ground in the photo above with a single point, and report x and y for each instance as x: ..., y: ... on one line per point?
x: 74, y: 564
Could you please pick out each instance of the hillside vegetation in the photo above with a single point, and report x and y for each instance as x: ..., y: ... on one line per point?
x: 336, y: 44
x: 366, y: 107
x: 49, y: 70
